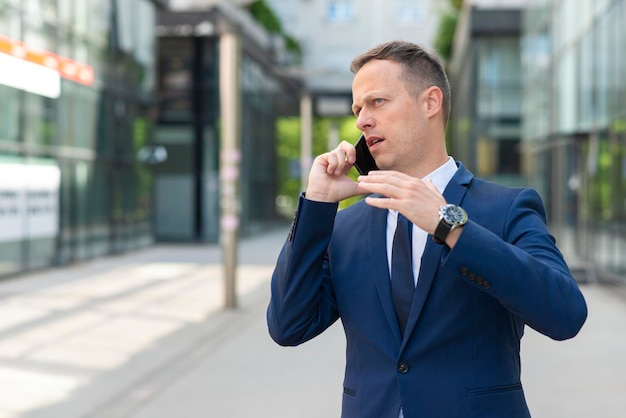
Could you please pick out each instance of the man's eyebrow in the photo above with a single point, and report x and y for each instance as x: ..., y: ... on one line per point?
x: 367, y: 97
x: 371, y: 95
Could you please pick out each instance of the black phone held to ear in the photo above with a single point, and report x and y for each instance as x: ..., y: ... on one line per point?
x: 364, y: 160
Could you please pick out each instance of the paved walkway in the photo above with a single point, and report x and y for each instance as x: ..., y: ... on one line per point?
x: 144, y: 335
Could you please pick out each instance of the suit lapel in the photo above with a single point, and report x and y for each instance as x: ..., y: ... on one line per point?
x: 453, y: 193
x: 380, y: 266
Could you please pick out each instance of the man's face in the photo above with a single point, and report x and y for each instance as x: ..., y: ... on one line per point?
x: 392, y: 120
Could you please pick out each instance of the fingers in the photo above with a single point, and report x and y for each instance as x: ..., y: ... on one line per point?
x: 389, y: 183
x: 349, y: 150
x: 401, y: 192
x: 328, y: 179
x: 341, y: 159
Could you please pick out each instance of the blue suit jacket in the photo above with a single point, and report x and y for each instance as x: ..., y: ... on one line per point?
x: 460, y: 353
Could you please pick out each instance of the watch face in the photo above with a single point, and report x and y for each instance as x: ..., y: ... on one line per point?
x: 454, y: 214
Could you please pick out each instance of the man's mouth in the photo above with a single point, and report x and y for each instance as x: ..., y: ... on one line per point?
x: 373, y: 141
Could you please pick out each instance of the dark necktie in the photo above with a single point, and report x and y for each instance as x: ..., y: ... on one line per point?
x: 402, y: 284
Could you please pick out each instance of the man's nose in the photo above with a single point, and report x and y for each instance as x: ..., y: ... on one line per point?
x: 364, y: 121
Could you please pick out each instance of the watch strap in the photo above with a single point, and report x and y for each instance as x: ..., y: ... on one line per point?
x: 442, y: 231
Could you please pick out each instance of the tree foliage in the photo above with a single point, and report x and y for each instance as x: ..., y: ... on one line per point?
x: 447, y: 27
x: 263, y: 14
x: 289, y: 175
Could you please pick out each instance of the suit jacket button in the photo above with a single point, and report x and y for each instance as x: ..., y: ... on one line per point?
x: 403, y: 367
x: 464, y: 271
x: 486, y: 285
x: 472, y: 276
x: 479, y: 280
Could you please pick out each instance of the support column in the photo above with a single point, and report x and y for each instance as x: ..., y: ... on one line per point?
x: 306, y: 142
x: 230, y: 156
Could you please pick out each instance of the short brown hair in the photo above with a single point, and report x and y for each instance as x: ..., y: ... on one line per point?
x: 422, y: 69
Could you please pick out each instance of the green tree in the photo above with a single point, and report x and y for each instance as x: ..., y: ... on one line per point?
x: 288, y: 131
x: 447, y: 27
x: 264, y: 15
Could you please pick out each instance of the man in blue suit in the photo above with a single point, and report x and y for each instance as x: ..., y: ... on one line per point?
x: 481, y: 262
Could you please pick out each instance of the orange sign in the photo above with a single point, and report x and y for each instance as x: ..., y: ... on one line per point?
x: 67, y: 68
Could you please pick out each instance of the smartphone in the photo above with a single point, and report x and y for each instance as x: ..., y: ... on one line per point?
x: 364, y: 160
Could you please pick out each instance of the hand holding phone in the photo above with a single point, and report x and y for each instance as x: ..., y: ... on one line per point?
x: 364, y: 160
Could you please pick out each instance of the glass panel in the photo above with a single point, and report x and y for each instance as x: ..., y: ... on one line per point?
x: 66, y: 114
x: 40, y: 114
x: 80, y: 52
x: 100, y: 208
x: 45, y: 8
x: 82, y: 205
x: 143, y: 193
x: 499, y: 78
x: 125, y: 24
x: 9, y: 114
x: 41, y: 253
x: 10, y: 22
x: 39, y: 34
x: 93, y: 131
x: 86, y: 111
x: 67, y: 220
x: 586, y: 104
x: 77, y: 111
x: 176, y: 80
x: 98, y: 59
x: 602, y: 59
x: 66, y: 12
x: 613, y: 82
x: 81, y: 17
x: 620, y: 52
x: 39, y: 120
x: 536, y: 56
x: 144, y: 32
x: 99, y: 18
x: 600, y: 173
x: 122, y: 205
x: 620, y: 206
x: 566, y: 90
x: 10, y: 258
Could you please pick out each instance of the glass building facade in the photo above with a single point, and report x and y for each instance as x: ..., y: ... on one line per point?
x: 71, y: 186
x: 574, y: 129
x: 187, y: 184
x: 485, y: 74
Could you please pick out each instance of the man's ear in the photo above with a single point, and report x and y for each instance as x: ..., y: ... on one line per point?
x: 434, y: 100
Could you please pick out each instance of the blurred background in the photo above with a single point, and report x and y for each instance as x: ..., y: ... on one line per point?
x: 142, y: 140
x: 112, y: 134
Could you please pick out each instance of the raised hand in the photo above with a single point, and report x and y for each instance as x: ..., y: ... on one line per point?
x: 417, y: 200
x: 328, y: 179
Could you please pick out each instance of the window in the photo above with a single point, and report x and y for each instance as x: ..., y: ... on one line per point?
x: 10, y: 23
x: 340, y: 11
x: 508, y: 160
x: 409, y: 11
x: 9, y: 114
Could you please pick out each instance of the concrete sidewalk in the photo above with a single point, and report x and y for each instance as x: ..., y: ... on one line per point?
x: 143, y: 335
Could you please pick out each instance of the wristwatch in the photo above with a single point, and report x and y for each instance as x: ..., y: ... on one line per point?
x: 450, y: 217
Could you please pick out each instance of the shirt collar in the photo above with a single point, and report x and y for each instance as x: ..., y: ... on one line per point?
x: 442, y: 175
x: 440, y: 178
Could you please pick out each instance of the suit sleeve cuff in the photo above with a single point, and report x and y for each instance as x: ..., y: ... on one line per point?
x: 313, y: 214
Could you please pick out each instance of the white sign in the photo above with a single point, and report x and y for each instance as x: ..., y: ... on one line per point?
x: 30, y: 77
x: 29, y: 201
